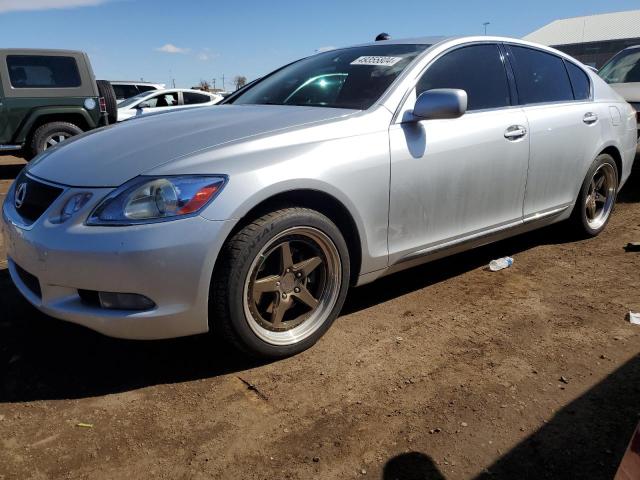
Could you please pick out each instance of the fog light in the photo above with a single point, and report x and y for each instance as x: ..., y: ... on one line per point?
x: 125, y: 301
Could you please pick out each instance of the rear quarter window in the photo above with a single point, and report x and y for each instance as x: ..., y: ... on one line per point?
x: 579, y: 81
x: 540, y: 77
x: 40, y: 71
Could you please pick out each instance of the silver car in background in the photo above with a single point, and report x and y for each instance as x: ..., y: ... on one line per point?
x: 253, y: 218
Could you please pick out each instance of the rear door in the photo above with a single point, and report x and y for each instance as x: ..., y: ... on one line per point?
x: 563, y: 124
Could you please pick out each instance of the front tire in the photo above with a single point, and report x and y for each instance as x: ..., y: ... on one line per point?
x: 280, y: 283
x: 597, y: 197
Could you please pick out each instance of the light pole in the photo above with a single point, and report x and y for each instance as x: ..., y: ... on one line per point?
x: 485, y: 27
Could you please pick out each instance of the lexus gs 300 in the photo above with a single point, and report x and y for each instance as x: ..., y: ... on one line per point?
x: 253, y: 218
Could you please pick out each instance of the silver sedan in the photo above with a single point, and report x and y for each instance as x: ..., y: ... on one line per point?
x: 253, y: 218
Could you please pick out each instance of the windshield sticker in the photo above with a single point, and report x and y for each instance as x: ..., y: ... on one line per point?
x: 377, y: 61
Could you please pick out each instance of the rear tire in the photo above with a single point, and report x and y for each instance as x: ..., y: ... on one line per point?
x: 597, y: 197
x: 280, y: 283
x: 105, y: 89
x: 49, y: 135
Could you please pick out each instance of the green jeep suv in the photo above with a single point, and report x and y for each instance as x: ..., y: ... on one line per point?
x: 47, y: 96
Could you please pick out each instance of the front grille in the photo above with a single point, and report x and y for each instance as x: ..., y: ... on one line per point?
x: 31, y: 281
x: 32, y: 198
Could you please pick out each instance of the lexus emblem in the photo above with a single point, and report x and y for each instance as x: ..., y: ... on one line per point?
x: 21, y: 194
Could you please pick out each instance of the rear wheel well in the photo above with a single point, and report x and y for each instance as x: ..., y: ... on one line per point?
x: 321, y: 202
x: 617, y: 158
x: 75, y: 118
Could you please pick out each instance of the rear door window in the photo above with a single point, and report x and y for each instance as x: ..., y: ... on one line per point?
x: 540, y: 77
x: 579, y: 81
x: 40, y: 71
x: 476, y: 69
x: 191, y: 98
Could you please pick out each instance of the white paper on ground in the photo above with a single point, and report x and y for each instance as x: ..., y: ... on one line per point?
x: 634, y: 318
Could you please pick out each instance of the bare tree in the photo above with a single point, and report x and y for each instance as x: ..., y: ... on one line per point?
x: 240, y: 81
x: 204, y: 86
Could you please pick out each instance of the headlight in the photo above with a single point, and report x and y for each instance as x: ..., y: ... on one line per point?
x: 156, y: 199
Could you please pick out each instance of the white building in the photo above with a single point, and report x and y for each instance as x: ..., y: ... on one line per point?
x: 592, y: 39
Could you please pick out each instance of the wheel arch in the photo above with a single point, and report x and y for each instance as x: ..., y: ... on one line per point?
x: 78, y: 117
x: 323, y: 203
x: 617, y: 158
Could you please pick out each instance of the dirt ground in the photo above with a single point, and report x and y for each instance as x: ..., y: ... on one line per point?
x: 445, y: 371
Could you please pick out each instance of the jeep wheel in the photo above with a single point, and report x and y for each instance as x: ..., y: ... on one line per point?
x: 49, y: 135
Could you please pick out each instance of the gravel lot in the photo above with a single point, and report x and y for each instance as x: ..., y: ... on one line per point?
x: 445, y: 371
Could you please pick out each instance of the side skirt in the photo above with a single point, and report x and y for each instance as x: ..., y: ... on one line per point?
x: 457, y: 245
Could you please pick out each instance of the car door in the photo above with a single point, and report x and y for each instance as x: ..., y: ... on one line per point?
x: 458, y: 178
x: 562, y: 119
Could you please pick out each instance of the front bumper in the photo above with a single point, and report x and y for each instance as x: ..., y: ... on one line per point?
x: 171, y: 263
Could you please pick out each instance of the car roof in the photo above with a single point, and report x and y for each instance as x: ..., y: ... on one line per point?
x: 135, y: 82
x: 172, y: 90
x: 428, y: 40
x: 41, y: 51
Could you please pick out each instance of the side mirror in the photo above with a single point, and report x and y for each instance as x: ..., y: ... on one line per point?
x: 142, y: 105
x: 440, y: 103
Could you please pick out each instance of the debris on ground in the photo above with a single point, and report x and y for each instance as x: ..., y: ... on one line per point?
x: 84, y: 425
x: 500, y: 264
x: 632, y: 247
x: 254, y: 389
x: 564, y: 379
x: 634, y: 318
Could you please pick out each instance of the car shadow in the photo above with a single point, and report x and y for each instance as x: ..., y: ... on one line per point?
x: 630, y: 193
x: 586, y: 439
x: 411, y: 466
x: 10, y: 171
x: 43, y: 358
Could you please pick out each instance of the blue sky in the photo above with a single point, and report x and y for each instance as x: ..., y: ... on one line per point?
x: 192, y: 40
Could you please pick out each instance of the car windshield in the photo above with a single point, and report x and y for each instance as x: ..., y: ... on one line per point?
x: 130, y: 101
x: 347, y: 78
x: 623, y: 68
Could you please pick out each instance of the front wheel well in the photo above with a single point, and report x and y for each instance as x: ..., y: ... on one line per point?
x: 321, y: 202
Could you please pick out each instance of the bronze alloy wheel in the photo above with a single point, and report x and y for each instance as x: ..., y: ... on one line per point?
x: 601, y: 196
x: 292, y: 286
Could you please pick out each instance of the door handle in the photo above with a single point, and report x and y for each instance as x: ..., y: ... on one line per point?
x: 590, y: 118
x: 514, y: 132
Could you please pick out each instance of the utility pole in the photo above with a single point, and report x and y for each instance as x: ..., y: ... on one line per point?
x: 214, y: 83
x: 485, y: 27
x: 223, y: 89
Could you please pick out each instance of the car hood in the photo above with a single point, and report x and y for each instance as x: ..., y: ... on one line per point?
x: 629, y: 91
x: 111, y: 156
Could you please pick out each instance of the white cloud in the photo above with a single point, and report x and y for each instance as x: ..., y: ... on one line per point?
x: 325, y: 49
x: 171, y: 48
x: 17, y: 5
x: 205, y: 55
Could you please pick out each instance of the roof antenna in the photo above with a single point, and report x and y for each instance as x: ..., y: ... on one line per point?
x: 383, y: 36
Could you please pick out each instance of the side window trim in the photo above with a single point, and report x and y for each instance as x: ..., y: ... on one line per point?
x: 590, y: 98
x: 511, y: 78
x: 402, y: 106
x: 466, y: 45
x: 559, y: 102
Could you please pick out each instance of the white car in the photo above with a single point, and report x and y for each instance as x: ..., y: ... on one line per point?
x: 164, y: 100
